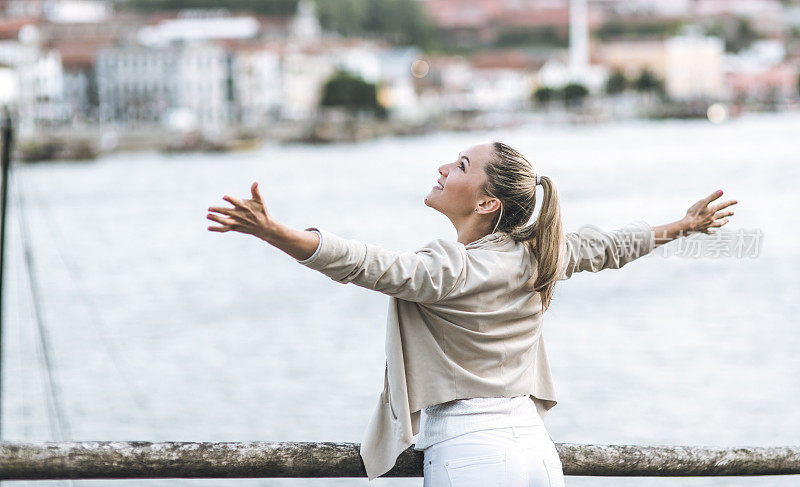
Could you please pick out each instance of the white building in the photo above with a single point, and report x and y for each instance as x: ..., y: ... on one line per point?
x: 398, y: 92
x: 257, y: 85
x: 502, y: 89
x: 303, y: 74
x: 199, y: 25
x: 556, y: 73
x: 143, y: 86
x: 691, y: 65
x: 76, y: 11
x: 9, y: 86
x: 694, y: 67
x: 35, y: 79
x: 25, y: 8
x: 305, y: 67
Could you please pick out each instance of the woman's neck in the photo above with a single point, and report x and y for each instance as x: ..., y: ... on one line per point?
x: 473, y: 229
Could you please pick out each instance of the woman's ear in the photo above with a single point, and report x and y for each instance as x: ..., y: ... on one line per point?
x: 488, y: 205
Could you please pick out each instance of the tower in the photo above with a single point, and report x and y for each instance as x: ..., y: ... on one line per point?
x: 305, y: 26
x: 578, y: 40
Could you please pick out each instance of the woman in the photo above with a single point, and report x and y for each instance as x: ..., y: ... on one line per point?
x: 466, y: 366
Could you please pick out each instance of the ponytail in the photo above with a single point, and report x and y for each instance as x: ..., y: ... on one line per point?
x: 511, y: 179
x: 544, y: 239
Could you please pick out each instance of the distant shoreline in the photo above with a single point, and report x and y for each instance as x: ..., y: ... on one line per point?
x: 91, y: 141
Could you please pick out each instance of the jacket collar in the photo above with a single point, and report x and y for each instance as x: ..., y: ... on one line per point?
x: 491, y: 240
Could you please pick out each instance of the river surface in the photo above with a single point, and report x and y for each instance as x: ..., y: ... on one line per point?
x: 160, y: 330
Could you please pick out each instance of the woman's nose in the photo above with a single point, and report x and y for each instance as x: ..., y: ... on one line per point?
x: 443, y: 169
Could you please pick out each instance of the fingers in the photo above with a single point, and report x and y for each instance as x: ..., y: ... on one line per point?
x: 724, y: 205
x: 235, y: 202
x: 223, y: 220
x: 220, y: 229
x: 219, y: 209
x: 718, y: 223
x: 716, y: 194
x: 721, y: 214
x: 254, y: 191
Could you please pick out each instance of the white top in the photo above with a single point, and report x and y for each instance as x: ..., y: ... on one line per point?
x: 450, y: 419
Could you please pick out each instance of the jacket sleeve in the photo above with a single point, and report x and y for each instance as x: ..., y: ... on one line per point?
x: 426, y: 275
x: 592, y: 249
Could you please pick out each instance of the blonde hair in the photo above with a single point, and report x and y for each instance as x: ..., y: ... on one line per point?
x: 510, y: 178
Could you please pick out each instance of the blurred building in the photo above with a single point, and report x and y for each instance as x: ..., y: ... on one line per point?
x: 78, y: 11
x: 762, y: 73
x: 694, y: 67
x: 199, y: 25
x: 188, y: 85
x: 33, y: 74
x: 485, y: 20
x: 77, y: 62
x: 306, y: 67
x: 14, y: 9
x: 257, y: 85
x: 78, y: 43
x: 492, y: 81
x: 58, y: 10
x: 503, y: 80
x: 398, y: 90
x: 691, y: 66
x: 633, y: 56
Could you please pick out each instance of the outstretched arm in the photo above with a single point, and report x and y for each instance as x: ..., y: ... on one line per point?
x: 699, y: 218
x: 593, y: 249
x: 426, y: 275
x: 251, y: 217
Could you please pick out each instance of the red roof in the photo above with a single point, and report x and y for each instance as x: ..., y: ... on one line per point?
x: 9, y: 29
x: 503, y: 59
x: 79, y: 54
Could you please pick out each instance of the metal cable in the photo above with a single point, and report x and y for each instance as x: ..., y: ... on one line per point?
x: 57, y: 409
x: 113, y: 353
x: 19, y: 286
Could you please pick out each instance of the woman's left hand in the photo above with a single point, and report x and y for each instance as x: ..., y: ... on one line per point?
x: 702, y: 216
x: 246, y: 216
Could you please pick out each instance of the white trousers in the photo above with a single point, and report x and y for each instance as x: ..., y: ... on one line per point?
x: 517, y: 456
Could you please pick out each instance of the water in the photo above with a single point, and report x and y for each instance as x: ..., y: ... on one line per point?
x: 161, y: 330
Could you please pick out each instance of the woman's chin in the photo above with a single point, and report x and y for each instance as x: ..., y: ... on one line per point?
x: 429, y: 200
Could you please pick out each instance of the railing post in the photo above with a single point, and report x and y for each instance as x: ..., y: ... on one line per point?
x: 5, y: 157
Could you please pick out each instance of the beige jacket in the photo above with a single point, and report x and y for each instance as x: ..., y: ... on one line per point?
x: 460, y: 322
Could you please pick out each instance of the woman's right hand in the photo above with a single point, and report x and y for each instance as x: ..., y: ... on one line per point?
x: 246, y: 216
x: 251, y: 217
x: 702, y: 215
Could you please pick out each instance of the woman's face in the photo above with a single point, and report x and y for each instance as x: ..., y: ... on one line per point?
x: 458, y: 189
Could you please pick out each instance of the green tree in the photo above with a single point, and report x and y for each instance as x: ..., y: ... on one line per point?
x: 738, y: 33
x: 547, y: 35
x: 744, y: 36
x: 616, y: 83
x: 402, y: 21
x: 574, y: 94
x: 270, y: 7
x: 619, y: 28
x: 346, y: 17
x: 648, y: 82
x: 350, y: 91
x: 544, y: 95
